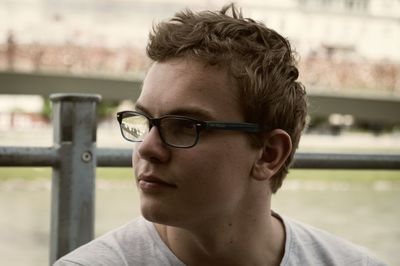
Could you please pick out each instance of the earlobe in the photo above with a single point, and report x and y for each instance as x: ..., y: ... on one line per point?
x: 276, y: 149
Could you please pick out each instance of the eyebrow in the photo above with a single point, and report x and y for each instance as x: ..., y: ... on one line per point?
x: 193, y: 112
x: 141, y: 108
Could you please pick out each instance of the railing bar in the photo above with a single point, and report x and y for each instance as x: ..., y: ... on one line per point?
x: 346, y: 161
x: 111, y: 157
x: 122, y: 158
x: 29, y: 156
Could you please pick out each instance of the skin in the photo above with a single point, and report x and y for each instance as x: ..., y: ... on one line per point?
x: 211, y: 203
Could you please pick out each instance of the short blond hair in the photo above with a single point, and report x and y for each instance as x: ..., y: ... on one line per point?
x: 258, y: 58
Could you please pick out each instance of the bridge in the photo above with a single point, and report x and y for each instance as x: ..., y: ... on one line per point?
x: 382, y: 108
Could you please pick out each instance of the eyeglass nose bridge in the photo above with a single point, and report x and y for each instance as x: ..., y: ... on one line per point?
x: 155, y: 122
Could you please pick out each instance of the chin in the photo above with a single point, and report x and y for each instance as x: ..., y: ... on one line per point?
x: 155, y: 213
x: 163, y: 217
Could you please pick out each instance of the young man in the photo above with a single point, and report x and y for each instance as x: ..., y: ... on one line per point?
x: 217, y: 123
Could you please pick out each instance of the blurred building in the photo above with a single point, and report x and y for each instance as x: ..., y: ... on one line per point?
x: 342, y: 44
x: 21, y: 112
x: 366, y: 29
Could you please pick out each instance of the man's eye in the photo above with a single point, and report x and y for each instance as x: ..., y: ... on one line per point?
x: 187, y: 124
x: 183, y: 125
x: 180, y: 126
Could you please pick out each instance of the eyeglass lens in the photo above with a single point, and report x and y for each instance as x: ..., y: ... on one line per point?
x: 178, y: 131
x: 174, y: 131
x: 135, y: 128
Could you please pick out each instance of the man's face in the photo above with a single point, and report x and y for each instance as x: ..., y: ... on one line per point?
x: 182, y: 187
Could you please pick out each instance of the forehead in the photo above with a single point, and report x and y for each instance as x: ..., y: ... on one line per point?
x: 187, y: 84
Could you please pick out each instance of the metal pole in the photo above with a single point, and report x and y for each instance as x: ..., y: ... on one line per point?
x: 346, y: 161
x: 73, y: 188
x: 28, y: 156
x: 111, y: 157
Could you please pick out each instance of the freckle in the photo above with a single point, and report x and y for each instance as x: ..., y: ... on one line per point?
x: 229, y: 224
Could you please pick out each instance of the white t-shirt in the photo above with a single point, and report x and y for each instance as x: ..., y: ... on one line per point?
x: 138, y: 243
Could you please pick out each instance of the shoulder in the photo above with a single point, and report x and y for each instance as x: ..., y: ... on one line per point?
x: 107, y: 249
x: 307, y: 245
x: 136, y: 243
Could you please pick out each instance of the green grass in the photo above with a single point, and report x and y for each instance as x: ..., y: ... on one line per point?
x: 115, y: 173
x: 28, y: 173
x: 32, y: 173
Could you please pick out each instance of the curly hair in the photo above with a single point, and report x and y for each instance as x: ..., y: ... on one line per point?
x: 258, y: 58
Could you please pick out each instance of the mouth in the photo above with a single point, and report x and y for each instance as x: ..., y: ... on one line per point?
x: 150, y: 182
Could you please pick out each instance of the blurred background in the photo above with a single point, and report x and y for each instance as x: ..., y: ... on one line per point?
x: 348, y: 53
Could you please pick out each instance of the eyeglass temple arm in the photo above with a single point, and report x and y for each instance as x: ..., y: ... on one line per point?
x: 247, y: 127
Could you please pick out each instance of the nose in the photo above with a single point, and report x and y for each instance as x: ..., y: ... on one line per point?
x: 152, y: 147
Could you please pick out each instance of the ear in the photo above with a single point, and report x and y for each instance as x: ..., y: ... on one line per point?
x: 277, y: 146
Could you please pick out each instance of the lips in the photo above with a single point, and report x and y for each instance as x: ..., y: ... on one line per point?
x: 153, y: 182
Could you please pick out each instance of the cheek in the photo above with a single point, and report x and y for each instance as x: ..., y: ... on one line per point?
x: 214, y: 184
x: 218, y: 169
x: 134, y: 155
x: 135, y: 158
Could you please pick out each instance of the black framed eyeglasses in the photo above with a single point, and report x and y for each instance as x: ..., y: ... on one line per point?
x: 174, y: 130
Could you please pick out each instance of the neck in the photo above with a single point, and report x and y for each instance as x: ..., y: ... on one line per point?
x: 246, y: 239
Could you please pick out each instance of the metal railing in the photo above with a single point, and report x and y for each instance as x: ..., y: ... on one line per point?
x: 74, y: 158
